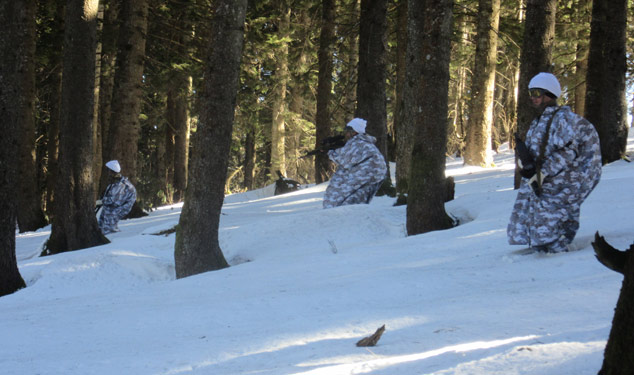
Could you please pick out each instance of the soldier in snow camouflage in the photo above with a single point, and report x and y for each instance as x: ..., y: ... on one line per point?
x: 361, y: 168
x: 566, y: 151
x: 117, y: 201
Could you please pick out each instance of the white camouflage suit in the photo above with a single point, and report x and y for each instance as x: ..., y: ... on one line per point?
x: 117, y: 202
x: 361, y: 169
x: 572, y: 168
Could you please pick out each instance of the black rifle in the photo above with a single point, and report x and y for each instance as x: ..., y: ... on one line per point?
x: 330, y: 143
x: 529, y: 166
x: 528, y: 162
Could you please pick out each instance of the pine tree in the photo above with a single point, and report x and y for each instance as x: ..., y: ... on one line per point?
x: 323, y: 125
x: 197, y: 249
x: 605, y: 99
x: 478, y: 145
x: 30, y: 214
x: 74, y: 223
x: 426, y: 197
x: 13, y: 15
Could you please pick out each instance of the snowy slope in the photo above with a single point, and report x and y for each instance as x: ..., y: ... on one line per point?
x: 306, y: 284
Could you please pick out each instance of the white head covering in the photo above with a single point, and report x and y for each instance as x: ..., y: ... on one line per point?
x: 546, y: 81
x: 358, y: 124
x: 114, y: 166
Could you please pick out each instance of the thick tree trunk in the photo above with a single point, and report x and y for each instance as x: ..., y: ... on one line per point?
x: 536, y: 57
x: 30, y: 214
x: 402, y: 126
x: 478, y: 146
x: 426, y: 197
x: 197, y: 249
x: 323, y: 167
x: 371, y: 79
x: 13, y: 15
x: 123, y: 132
x: 74, y: 223
x: 606, y: 107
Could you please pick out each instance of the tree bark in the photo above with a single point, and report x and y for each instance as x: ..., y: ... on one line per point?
x: 278, y: 126
x: 54, y: 103
x: 618, y: 358
x: 402, y: 126
x: 166, y: 166
x: 74, y: 224
x: 249, y: 158
x: 536, y: 57
x: 426, y: 197
x: 30, y: 214
x: 13, y: 15
x: 323, y: 167
x: 582, y: 16
x: 180, y: 93
x: 606, y: 107
x: 478, y: 145
x: 181, y: 139
x: 123, y: 132
x: 371, y: 78
x: 106, y: 83
x: 197, y: 249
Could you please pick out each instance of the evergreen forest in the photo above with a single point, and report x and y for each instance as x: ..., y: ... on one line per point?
x: 276, y: 109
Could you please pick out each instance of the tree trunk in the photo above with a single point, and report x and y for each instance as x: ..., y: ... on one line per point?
x: 582, y: 17
x: 97, y: 153
x: 606, y: 107
x: 123, y: 132
x: 106, y: 83
x: 536, y: 57
x: 30, y: 214
x: 13, y: 16
x: 197, y: 249
x: 618, y: 358
x: 402, y: 126
x: 52, y: 133
x: 371, y: 78
x: 426, y: 197
x: 346, y: 91
x: 181, y: 90
x: 458, y: 88
x: 478, y: 146
x: 74, y: 223
x: 249, y: 158
x: 278, y: 126
x: 323, y: 167
x: 181, y: 139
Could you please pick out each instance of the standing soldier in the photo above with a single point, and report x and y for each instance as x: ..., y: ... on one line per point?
x: 560, y: 164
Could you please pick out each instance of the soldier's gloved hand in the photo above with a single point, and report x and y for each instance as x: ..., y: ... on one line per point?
x: 535, y: 182
x: 99, y: 202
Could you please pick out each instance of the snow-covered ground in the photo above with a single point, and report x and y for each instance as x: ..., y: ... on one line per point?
x: 306, y: 284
